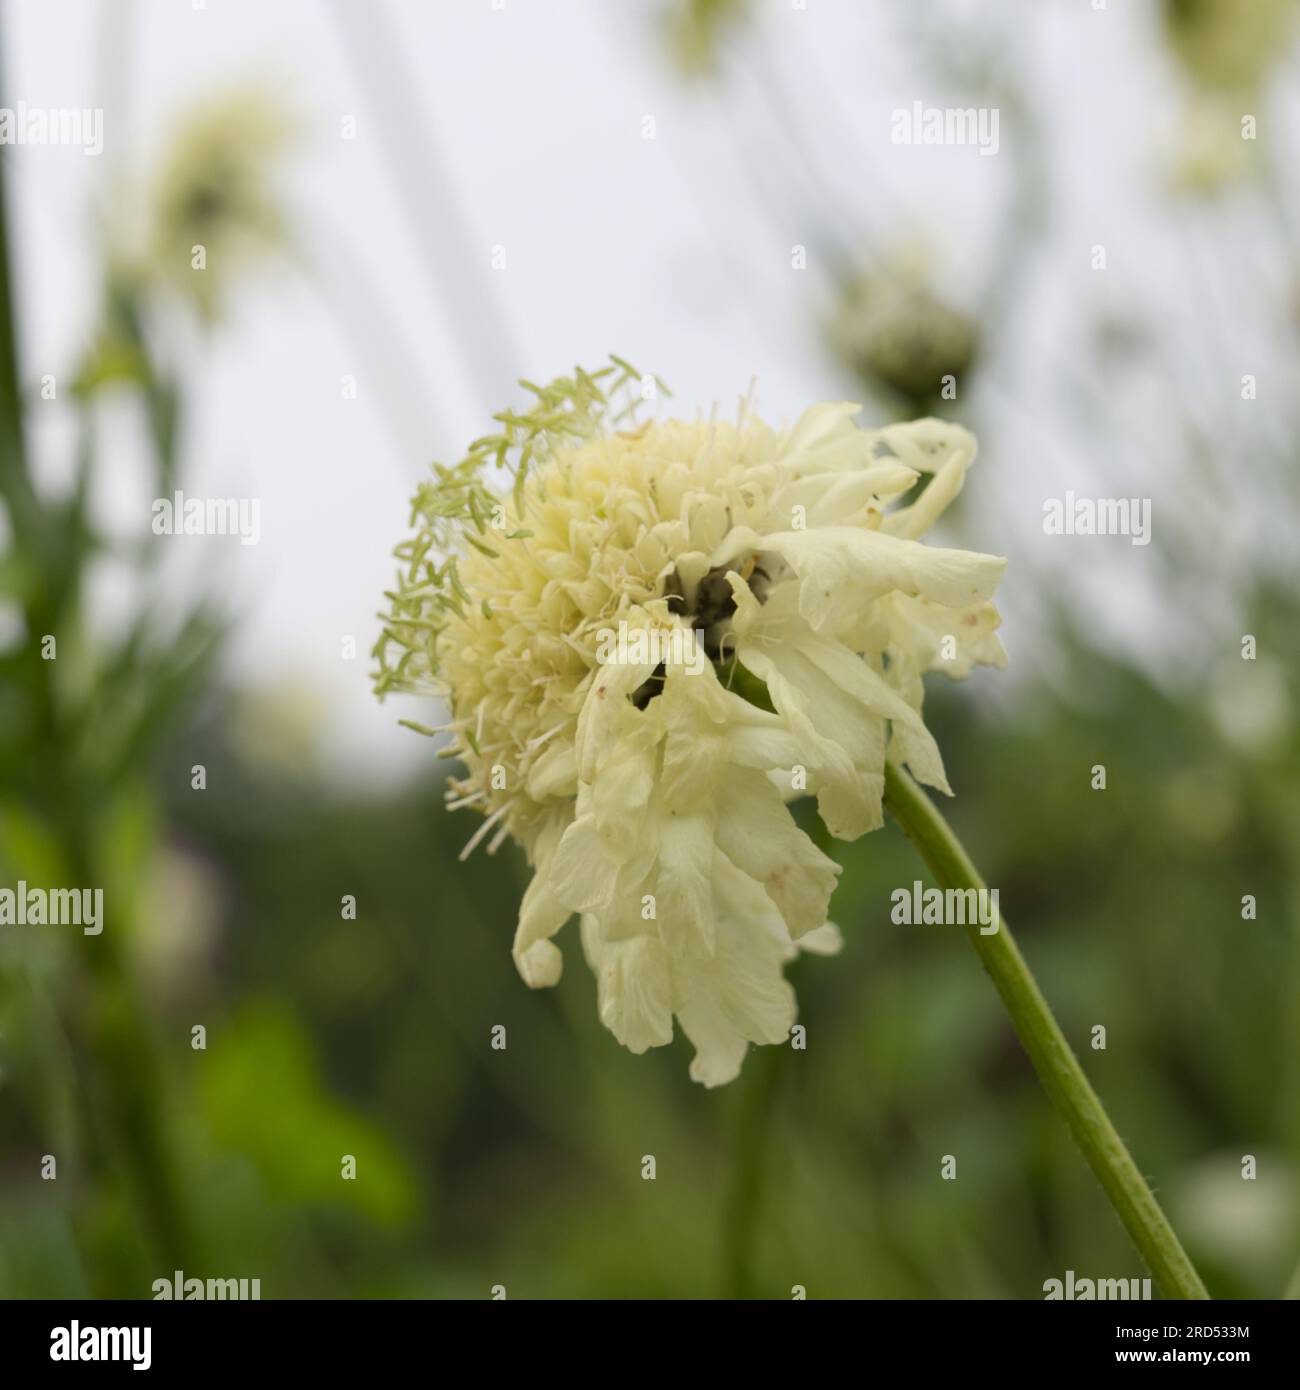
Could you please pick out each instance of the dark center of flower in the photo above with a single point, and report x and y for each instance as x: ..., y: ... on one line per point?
x: 713, y: 610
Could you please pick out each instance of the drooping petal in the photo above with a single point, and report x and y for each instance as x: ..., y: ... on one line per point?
x: 634, y: 990
x: 951, y: 640
x: 827, y: 940
x: 929, y: 446
x: 761, y: 839
x: 683, y: 890
x: 541, y: 914
x: 741, y: 995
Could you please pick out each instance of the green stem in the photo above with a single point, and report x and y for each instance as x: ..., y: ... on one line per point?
x: 15, y: 486
x: 1293, y: 1288
x: 752, y: 1146
x: 1057, y: 1066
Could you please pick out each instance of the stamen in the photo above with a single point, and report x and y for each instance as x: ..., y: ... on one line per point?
x: 476, y: 838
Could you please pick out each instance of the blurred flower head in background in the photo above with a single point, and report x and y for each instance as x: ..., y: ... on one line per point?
x: 773, y: 620
x: 1226, y: 50
x: 1224, y: 46
x: 695, y: 30
x: 895, y: 332
x: 211, y: 211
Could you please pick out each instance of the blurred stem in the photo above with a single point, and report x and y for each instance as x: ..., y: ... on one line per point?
x: 749, y: 1173
x: 1057, y: 1066
x: 1293, y: 1288
x: 122, y: 1092
x: 119, y: 1084
x: 15, y: 487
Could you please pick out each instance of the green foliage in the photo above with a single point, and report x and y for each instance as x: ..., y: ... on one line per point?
x: 371, y: 1036
x: 264, y: 1097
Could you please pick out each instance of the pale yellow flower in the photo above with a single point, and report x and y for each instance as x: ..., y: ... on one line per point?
x: 649, y: 792
x: 211, y: 212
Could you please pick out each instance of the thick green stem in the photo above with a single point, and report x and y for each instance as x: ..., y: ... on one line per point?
x: 1057, y: 1066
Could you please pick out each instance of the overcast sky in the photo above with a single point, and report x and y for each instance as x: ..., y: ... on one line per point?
x: 522, y: 126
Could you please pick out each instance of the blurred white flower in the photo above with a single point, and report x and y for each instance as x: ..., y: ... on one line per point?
x: 1243, y: 1223
x: 211, y: 211
x: 1252, y: 706
x: 178, y: 926
x: 649, y: 793
x: 1227, y: 49
x: 1228, y: 46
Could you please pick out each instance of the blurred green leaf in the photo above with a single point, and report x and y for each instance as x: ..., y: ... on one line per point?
x: 265, y: 1097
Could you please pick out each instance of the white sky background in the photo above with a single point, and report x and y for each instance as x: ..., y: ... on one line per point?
x: 674, y: 252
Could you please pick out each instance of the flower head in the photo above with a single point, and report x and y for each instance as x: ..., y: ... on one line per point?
x: 895, y: 332
x: 1227, y: 47
x: 696, y: 31
x: 1227, y: 51
x: 213, y: 196
x: 663, y: 634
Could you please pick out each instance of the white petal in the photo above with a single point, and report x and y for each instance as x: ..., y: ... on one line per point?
x: 841, y: 569
x: 541, y: 914
x: 921, y: 627
x: 758, y: 834
x: 693, y: 712
x: 843, y: 497
x: 553, y: 772
x: 633, y: 987
x: 541, y: 965
x: 683, y: 886
x: 741, y: 995
x: 819, y: 425
x: 825, y: 941
x: 582, y: 873
x: 607, y: 711
x: 841, y: 740
x: 931, y: 446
